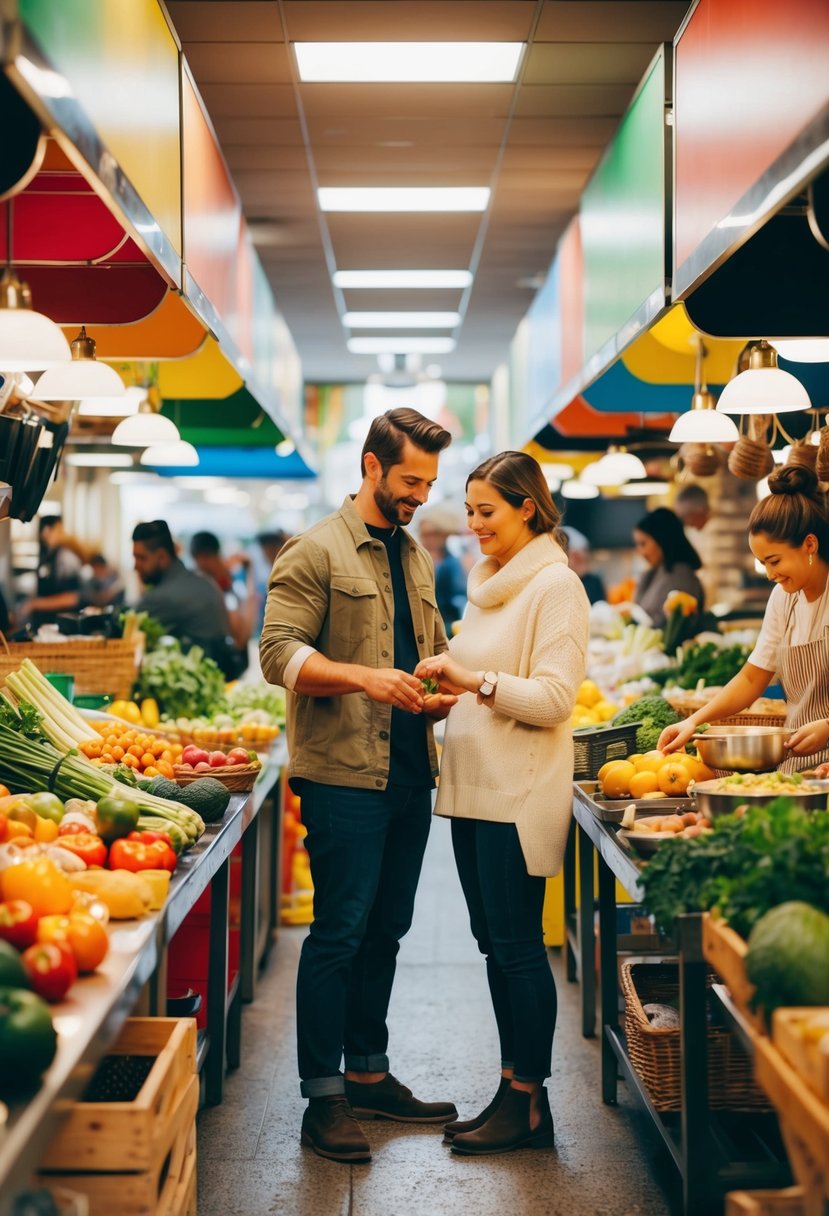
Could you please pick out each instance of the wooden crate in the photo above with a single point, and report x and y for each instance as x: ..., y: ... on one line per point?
x: 726, y: 951
x: 122, y: 1136
x: 808, y: 1057
x: 788, y: 1202
x: 804, y: 1124
x: 166, y: 1188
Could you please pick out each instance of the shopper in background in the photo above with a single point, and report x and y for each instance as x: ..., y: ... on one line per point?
x: 58, y: 573
x: 506, y: 773
x: 692, y: 506
x: 435, y: 526
x: 104, y: 588
x: 350, y: 612
x: 579, y: 561
x: 789, y: 534
x: 239, y: 593
x: 672, y: 559
x: 271, y: 543
x: 189, y: 606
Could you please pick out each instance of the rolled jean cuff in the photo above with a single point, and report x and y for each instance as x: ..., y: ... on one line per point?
x: 536, y: 1080
x: 375, y: 1063
x: 322, y: 1087
x: 508, y: 1064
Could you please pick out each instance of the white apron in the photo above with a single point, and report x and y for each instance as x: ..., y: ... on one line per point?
x: 804, y: 674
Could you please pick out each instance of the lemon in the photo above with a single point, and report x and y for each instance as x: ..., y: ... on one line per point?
x: 589, y: 693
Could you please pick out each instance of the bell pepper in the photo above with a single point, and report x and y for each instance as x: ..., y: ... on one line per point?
x: 46, y: 830
x: 87, y: 846
x: 18, y: 923
x: 150, y: 837
x: 137, y: 855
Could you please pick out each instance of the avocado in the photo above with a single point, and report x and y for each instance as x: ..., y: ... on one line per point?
x: 161, y: 787
x: 207, y: 796
x: 788, y: 957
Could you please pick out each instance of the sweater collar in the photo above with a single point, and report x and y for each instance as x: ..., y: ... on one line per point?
x: 491, y: 585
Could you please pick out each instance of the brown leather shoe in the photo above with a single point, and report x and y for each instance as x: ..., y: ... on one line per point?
x: 388, y: 1099
x: 509, y: 1127
x: 460, y: 1126
x: 330, y: 1129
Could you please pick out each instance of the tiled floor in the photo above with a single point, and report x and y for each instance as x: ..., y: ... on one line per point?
x: 607, y: 1162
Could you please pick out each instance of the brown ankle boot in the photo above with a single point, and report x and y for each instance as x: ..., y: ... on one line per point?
x: 330, y: 1129
x: 471, y: 1125
x: 509, y: 1127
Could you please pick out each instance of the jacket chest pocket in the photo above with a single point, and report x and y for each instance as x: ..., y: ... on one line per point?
x: 353, y: 612
x: 429, y: 610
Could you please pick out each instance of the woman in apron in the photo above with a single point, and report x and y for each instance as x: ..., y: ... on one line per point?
x: 789, y: 535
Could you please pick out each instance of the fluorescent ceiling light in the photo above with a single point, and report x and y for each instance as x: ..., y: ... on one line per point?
x: 401, y: 346
x: 99, y: 460
x: 408, y: 62
x: 170, y: 455
x: 403, y: 198
x: 356, y: 280
x: 401, y: 320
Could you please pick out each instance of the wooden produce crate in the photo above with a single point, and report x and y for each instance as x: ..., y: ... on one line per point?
x: 99, y: 665
x: 136, y: 1158
x: 788, y: 1202
x: 726, y: 952
x: 808, y: 1055
x: 804, y: 1124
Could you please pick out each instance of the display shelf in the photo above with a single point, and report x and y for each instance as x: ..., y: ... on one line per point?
x: 804, y: 1122
x: 98, y: 1005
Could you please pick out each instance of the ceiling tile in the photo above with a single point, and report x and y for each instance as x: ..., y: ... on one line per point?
x: 610, y: 20
x: 257, y: 132
x: 266, y: 156
x: 588, y: 62
x: 226, y: 20
x: 439, y: 132
x: 405, y: 100
x: 248, y: 100
x: 239, y: 62
x: 578, y: 100
x: 563, y: 132
x: 403, y: 21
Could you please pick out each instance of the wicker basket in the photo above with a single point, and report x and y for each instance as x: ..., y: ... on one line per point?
x: 99, y: 665
x: 594, y: 746
x: 655, y: 1053
x: 238, y: 778
x: 685, y: 706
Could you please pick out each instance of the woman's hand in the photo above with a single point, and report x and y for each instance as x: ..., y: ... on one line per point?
x: 673, y: 738
x: 449, y: 673
x: 808, y: 739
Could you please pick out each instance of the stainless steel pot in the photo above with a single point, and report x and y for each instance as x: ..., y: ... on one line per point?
x: 743, y: 749
x: 711, y: 801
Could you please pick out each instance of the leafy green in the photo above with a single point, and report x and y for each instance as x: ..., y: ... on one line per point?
x: 152, y: 629
x: 184, y: 685
x: 748, y: 864
x: 707, y: 662
x: 24, y: 719
x: 430, y: 686
x: 653, y: 714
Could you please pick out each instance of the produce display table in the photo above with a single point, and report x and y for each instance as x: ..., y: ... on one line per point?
x: 701, y: 1144
x: 97, y: 1007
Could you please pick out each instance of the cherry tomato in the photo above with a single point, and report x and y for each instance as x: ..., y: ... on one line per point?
x: 18, y: 923
x: 88, y: 941
x: 51, y: 968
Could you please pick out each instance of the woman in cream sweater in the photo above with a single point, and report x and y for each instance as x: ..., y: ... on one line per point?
x: 507, y: 771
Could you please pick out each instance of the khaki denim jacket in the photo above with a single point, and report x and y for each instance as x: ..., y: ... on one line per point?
x: 331, y: 589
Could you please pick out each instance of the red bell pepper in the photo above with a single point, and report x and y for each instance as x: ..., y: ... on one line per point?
x: 88, y: 847
x: 136, y: 855
x: 18, y: 923
x: 151, y: 837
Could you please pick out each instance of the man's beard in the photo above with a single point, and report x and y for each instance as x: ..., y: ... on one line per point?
x: 389, y: 506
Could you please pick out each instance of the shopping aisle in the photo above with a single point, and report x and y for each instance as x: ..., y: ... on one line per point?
x: 443, y: 1044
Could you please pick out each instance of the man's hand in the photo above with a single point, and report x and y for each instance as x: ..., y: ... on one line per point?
x: 437, y: 705
x: 393, y: 687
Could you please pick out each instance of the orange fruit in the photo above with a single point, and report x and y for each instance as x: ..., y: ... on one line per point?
x: 673, y: 778
x: 616, y: 781
x: 651, y: 762
x: 643, y: 783
x: 605, y: 767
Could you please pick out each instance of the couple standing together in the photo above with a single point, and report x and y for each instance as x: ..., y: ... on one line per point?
x: 352, y: 630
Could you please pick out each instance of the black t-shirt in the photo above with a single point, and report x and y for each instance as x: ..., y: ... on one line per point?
x: 409, y: 759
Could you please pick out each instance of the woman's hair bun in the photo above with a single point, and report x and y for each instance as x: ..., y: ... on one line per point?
x: 793, y: 479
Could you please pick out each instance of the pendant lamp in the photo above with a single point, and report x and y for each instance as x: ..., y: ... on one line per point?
x: 83, y: 378
x: 579, y: 489
x: 170, y: 455
x: 702, y: 423
x: 763, y: 388
x: 614, y: 469
x: 29, y: 340
x: 144, y: 429
x: 803, y: 350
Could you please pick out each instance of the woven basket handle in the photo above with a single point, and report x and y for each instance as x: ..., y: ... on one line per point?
x: 5, y: 643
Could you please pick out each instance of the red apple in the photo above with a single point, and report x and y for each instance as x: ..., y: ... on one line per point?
x: 239, y: 755
x: 194, y: 755
x: 217, y: 759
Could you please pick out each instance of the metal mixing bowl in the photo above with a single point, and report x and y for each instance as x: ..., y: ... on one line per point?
x: 743, y: 749
x: 712, y: 802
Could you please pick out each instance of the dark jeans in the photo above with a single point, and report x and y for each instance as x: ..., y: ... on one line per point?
x: 366, y: 849
x: 505, y: 905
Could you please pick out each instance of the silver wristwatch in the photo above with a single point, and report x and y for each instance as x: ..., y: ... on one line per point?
x: 489, y: 684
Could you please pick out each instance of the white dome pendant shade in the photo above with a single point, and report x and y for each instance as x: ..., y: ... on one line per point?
x: 170, y: 455
x: 702, y: 423
x: 763, y: 388
x: 576, y: 488
x: 614, y: 469
x: 29, y: 340
x: 83, y: 378
x: 145, y: 429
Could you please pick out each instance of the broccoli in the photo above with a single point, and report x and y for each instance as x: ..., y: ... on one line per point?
x: 653, y: 714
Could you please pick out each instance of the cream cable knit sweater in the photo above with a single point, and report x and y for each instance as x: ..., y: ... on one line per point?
x: 513, y: 762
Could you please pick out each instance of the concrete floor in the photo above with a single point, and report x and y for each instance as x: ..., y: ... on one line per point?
x: 607, y: 1161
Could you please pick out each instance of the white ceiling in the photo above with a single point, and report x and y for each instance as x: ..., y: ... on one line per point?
x: 535, y: 143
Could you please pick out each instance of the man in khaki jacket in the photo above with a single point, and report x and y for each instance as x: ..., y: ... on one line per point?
x: 351, y: 610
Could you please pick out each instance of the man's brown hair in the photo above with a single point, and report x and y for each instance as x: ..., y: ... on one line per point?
x: 389, y: 431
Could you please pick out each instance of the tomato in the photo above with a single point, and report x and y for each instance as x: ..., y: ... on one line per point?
x: 217, y: 760
x: 88, y: 941
x: 115, y: 816
x: 47, y: 805
x: 51, y: 968
x: 87, y: 846
x: 52, y: 929
x: 41, y: 883
x: 18, y: 923
x: 136, y: 855
x: 4, y: 791
x: 28, y: 1041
